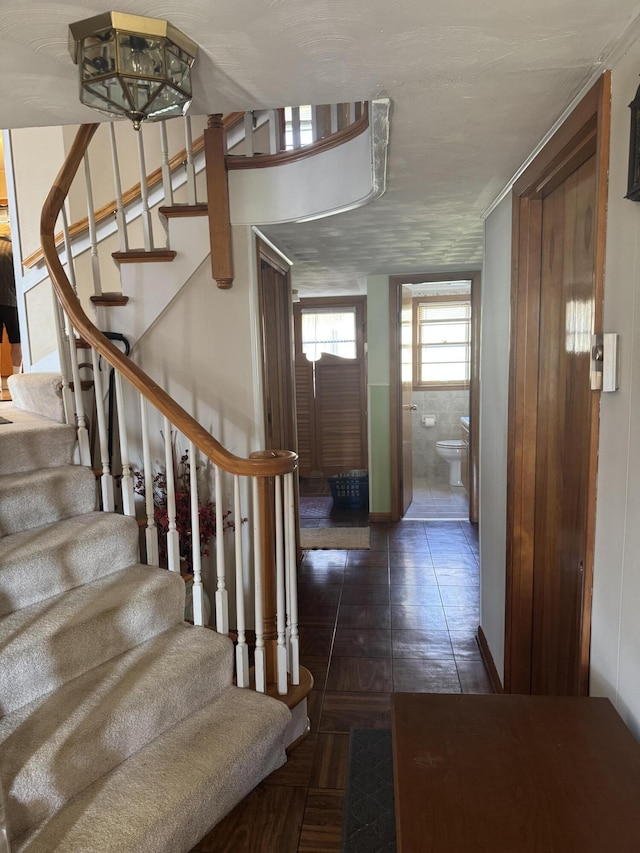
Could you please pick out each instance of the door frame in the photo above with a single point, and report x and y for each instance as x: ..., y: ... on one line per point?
x: 395, y: 384
x: 585, y: 132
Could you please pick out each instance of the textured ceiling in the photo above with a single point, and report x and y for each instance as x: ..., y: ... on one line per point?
x: 474, y: 85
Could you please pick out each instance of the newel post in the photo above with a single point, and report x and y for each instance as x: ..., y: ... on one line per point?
x: 268, y: 567
x: 218, y: 202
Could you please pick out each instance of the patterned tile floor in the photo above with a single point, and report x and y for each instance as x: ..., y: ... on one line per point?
x: 437, y: 500
x: 399, y: 617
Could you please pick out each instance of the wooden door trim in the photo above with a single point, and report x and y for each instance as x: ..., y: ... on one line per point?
x: 395, y: 284
x: 574, y: 142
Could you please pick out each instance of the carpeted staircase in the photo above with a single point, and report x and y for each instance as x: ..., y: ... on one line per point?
x: 121, y: 729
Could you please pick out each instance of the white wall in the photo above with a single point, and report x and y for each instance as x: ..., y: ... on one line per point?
x: 615, y: 641
x: 494, y: 394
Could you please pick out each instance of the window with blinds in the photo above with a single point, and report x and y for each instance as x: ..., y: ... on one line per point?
x: 442, y: 348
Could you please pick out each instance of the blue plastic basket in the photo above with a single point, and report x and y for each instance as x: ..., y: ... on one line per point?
x: 350, y: 490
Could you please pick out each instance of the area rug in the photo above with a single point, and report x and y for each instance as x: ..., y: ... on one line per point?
x: 369, y: 824
x: 334, y: 537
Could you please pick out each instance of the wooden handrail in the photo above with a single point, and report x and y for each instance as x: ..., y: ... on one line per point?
x: 153, y: 179
x: 276, y: 463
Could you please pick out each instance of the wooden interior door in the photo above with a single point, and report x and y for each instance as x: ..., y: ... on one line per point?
x: 277, y: 352
x: 567, y: 306
x: 559, y: 228
x: 331, y: 401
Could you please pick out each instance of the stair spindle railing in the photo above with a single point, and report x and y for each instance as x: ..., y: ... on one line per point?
x: 197, y: 589
x: 222, y: 595
x: 151, y: 529
x: 242, y: 650
x: 147, y: 228
x: 128, y: 503
x: 106, y: 477
x: 189, y: 165
x: 173, y: 537
x: 260, y: 660
x: 167, y: 185
x: 121, y: 220
x: 293, y: 652
x: 93, y: 233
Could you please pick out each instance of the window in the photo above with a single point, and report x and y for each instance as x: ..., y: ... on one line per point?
x: 442, y: 341
x: 331, y: 330
x: 306, y: 126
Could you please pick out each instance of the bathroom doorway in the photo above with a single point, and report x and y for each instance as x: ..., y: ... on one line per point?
x: 437, y: 355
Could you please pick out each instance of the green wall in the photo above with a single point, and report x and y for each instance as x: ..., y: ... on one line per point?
x: 378, y: 394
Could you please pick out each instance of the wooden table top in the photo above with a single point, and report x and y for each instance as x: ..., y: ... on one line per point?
x: 513, y: 773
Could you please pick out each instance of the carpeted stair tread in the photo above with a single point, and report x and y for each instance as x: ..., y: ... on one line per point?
x: 54, y: 747
x: 40, y: 393
x: 32, y: 441
x: 199, y: 770
x: 49, y: 643
x: 34, y: 498
x: 63, y: 555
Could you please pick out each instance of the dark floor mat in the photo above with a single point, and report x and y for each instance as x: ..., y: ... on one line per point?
x: 369, y: 807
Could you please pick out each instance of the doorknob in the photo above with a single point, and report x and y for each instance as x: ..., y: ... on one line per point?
x: 410, y: 407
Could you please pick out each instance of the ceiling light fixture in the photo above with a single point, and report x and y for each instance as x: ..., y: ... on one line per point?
x: 133, y: 66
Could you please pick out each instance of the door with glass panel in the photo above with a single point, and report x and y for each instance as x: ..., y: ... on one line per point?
x: 330, y: 385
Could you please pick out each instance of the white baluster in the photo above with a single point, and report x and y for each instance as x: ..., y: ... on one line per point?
x: 197, y: 594
x: 314, y: 123
x: 222, y: 595
x: 260, y: 653
x: 295, y: 127
x: 173, y: 537
x: 248, y: 134
x: 120, y: 217
x: 81, y: 420
x: 106, y: 477
x: 147, y: 229
x: 281, y: 623
x: 167, y: 186
x: 274, y: 131
x: 189, y: 166
x: 334, y: 118
x: 128, y: 505
x: 151, y: 530
x: 292, y: 584
x: 242, y: 651
x: 93, y: 234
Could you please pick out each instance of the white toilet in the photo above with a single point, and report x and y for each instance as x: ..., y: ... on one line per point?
x: 452, y: 450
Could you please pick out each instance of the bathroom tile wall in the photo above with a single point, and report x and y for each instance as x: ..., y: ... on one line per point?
x: 448, y: 407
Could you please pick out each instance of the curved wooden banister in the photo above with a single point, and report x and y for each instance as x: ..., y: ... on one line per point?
x: 267, y: 465
x: 262, y: 161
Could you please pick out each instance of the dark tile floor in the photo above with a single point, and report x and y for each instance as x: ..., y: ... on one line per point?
x: 401, y: 617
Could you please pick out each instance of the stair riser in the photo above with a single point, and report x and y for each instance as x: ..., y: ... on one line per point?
x: 63, y: 556
x: 43, y: 649
x: 118, y: 708
x: 42, y: 446
x: 40, y: 497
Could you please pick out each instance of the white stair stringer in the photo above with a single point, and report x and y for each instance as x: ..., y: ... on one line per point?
x: 151, y: 287
x: 120, y: 728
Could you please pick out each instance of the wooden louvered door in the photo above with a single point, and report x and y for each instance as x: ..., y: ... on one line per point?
x: 331, y: 398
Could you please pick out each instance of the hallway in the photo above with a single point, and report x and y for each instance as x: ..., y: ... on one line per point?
x: 401, y: 617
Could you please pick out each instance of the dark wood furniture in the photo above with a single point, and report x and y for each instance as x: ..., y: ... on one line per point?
x: 514, y: 774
